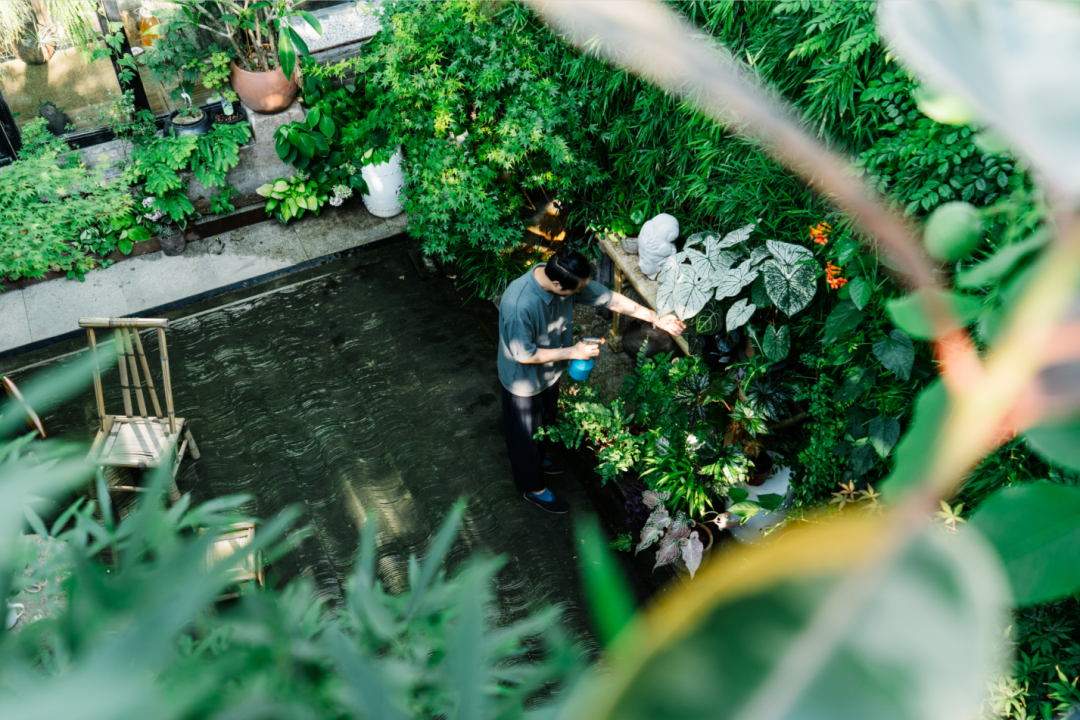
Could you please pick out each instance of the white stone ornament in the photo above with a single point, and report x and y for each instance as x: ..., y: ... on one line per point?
x: 656, y: 242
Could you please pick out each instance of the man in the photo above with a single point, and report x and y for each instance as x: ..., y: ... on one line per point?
x: 536, y: 342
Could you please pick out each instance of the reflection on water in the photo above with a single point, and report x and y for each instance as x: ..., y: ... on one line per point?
x: 364, y: 390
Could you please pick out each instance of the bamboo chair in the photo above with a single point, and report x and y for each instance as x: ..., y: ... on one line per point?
x: 136, y: 441
x: 230, y: 544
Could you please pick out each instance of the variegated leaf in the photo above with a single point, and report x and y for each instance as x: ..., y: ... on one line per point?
x: 668, y: 268
x: 649, y: 534
x: 791, y: 287
x: 789, y: 254
x: 702, y: 239
x: 680, y: 528
x: 758, y: 254
x: 668, y: 552
x: 692, y: 550
x: 682, y: 294
x: 659, y: 518
x: 738, y: 236
x: 735, y: 279
x: 653, y: 498
x: 739, y: 313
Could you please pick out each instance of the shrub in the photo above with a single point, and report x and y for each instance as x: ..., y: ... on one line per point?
x: 49, y: 200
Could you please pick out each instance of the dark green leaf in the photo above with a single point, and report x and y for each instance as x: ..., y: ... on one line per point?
x: 327, y: 127
x: 896, y: 352
x: 919, y: 444
x: 844, y: 318
x: 777, y: 342
x: 883, y: 434
x: 1036, y: 530
x: 860, y: 290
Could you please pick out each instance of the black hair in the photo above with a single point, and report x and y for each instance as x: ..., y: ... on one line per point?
x: 569, y: 268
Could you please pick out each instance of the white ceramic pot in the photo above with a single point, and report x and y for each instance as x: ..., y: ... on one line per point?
x: 385, y: 181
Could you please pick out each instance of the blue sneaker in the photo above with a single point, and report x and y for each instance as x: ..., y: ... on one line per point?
x: 548, y: 501
x: 553, y: 467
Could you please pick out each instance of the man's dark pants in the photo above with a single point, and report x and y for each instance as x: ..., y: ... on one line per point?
x: 522, y: 417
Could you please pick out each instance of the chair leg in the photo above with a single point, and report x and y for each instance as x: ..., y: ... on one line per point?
x: 195, y: 454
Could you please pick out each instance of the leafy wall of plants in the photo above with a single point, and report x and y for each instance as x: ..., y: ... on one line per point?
x: 632, y: 151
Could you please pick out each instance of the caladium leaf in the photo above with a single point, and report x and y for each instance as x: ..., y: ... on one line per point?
x: 692, y: 550
x: 710, y: 320
x: 738, y: 236
x: 777, y: 342
x: 680, y: 527
x: 649, y: 534
x: 681, y: 291
x: 790, y: 287
x: 735, y: 279
x: 759, y: 254
x: 668, y: 552
x: 739, y: 313
x: 788, y: 254
x: 654, y: 499
x: 660, y: 518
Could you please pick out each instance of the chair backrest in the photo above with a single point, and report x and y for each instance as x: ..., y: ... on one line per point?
x: 130, y: 358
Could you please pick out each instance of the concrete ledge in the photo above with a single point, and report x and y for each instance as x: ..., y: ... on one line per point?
x: 47, y: 312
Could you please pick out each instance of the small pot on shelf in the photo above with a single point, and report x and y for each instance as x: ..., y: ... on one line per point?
x: 760, y: 469
x: 264, y: 92
x: 629, y: 244
x: 181, y: 125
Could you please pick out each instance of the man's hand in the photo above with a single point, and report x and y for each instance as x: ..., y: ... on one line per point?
x: 670, y: 324
x: 584, y: 351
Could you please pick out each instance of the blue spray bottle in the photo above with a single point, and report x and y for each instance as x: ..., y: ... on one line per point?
x: 581, y: 369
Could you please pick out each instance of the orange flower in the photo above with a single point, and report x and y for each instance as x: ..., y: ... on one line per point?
x: 832, y: 276
x: 820, y: 233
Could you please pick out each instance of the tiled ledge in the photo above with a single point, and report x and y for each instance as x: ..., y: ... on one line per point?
x: 48, y: 311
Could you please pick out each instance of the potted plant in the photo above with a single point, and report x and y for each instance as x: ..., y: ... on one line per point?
x: 38, y: 44
x: 264, y: 44
x: 216, y: 73
x: 176, y: 58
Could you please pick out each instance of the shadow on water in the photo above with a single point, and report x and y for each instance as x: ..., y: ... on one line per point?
x: 361, y: 386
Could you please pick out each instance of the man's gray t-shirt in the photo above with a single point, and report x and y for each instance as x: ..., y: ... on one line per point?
x: 530, y: 318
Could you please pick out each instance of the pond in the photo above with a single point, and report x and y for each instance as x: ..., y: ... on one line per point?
x: 360, y: 386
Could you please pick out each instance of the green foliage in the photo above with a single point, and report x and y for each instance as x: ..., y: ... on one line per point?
x: 157, y: 163
x: 291, y: 198
x: 55, y: 213
x: 483, y: 117
x: 424, y: 652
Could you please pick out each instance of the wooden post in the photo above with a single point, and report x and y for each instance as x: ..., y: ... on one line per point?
x: 618, y: 321
x: 123, y: 373
x: 146, y: 371
x: 129, y: 352
x: 165, y: 379
x: 98, y: 395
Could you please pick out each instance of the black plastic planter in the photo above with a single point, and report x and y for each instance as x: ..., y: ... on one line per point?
x: 199, y: 127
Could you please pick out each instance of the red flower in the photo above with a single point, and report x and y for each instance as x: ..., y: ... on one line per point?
x: 820, y: 233
x: 832, y: 276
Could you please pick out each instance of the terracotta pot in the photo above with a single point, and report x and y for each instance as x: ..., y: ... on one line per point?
x: 264, y: 92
